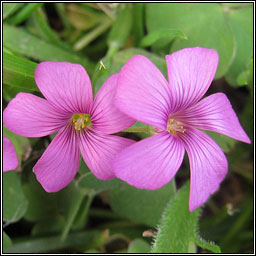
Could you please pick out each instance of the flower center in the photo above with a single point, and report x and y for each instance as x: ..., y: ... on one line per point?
x: 174, y: 126
x: 80, y: 121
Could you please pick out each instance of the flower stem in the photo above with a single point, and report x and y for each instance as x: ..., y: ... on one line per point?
x: 24, y: 13
x: 81, y: 217
x: 191, y: 247
x: 72, y: 214
x: 89, y: 37
x: 146, y: 129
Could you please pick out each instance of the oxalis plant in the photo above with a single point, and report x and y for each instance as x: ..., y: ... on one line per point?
x: 127, y: 127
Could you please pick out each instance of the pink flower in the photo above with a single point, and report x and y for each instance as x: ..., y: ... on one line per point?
x: 173, y: 109
x: 10, y: 160
x: 83, y: 124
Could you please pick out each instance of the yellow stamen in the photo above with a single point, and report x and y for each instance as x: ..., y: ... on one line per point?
x: 81, y: 121
x: 174, y: 126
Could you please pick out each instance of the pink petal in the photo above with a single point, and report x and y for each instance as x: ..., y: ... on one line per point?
x: 99, y: 150
x: 208, y: 166
x: 215, y: 113
x: 143, y: 92
x: 32, y: 116
x: 190, y: 73
x: 150, y: 163
x: 106, y: 117
x: 10, y: 160
x: 65, y: 85
x: 59, y: 163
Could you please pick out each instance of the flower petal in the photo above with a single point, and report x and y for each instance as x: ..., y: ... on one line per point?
x: 59, y: 163
x: 143, y: 92
x: 98, y: 151
x: 190, y: 73
x: 65, y: 85
x: 150, y: 163
x: 215, y: 113
x: 208, y: 166
x: 106, y: 117
x: 10, y: 160
x: 32, y: 116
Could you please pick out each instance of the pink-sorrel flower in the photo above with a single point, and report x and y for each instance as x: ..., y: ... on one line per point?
x: 83, y: 124
x: 173, y: 109
x: 10, y: 160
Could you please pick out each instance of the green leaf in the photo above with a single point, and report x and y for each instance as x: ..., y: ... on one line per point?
x: 21, y: 42
x: 81, y: 18
x: 49, y: 225
x: 207, y: 245
x: 43, y: 205
x: 21, y: 144
x: 51, y: 243
x: 83, y: 168
x: 246, y: 77
x: 204, y: 24
x: 89, y: 182
x: 250, y: 75
x: 118, y: 60
x: 61, y: 10
x: 74, y: 206
x: 169, y: 33
x: 178, y: 227
x: 123, y: 56
x: 226, y: 143
x: 242, y: 78
x: 39, y: 26
x: 241, y: 21
x: 14, y: 202
x: 101, y: 74
x: 139, y: 246
x: 138, y: 26
x: 19, y: 72
x: 120, y: 30
x: 10, y: 8
x: 7, y: 51
x: 24, y: 13
x: 7, y: 242
x: 94, y: 251
x: 139, y: 205
x: 10, y: 91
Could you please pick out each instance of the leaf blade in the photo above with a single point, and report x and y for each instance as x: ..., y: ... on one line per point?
x: 169, y: 33
x: 7, y: 242
x: 204, y: 24
x: 19, y: 72
x: 178, y: 225
x: 139, y: 205
x: 16, y: 40
x: 14, y: 201
x: 207, y: 245
x: 241, y: 22
x: 138, y: 246
x: 10, y: 8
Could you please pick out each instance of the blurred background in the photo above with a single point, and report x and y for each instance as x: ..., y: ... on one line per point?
x: 109, y: 217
